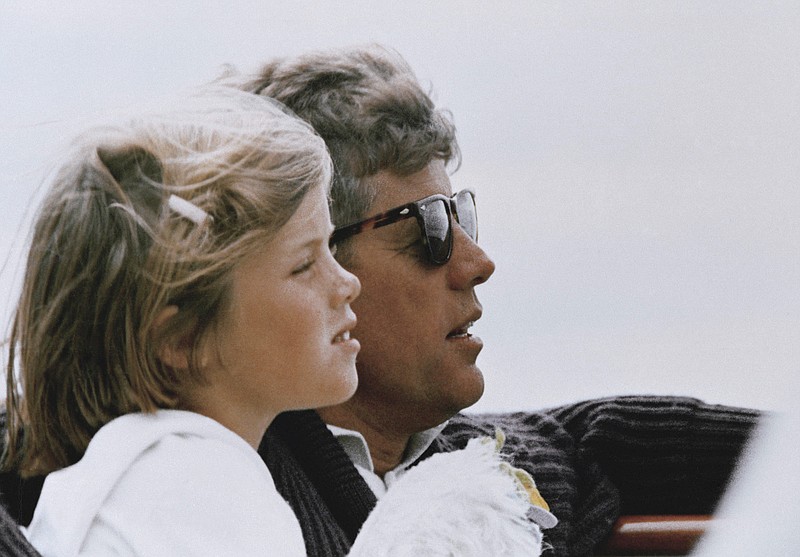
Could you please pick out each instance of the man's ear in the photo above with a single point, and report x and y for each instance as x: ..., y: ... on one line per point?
x: 170, y: 350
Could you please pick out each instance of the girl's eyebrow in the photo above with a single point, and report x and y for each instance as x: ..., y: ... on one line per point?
x: 304, y: 241
x: 310, y: 243
x: 323, y: 239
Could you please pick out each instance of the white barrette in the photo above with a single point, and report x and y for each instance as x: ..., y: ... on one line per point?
x: 187, y: 209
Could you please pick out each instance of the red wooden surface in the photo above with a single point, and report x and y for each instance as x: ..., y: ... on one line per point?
x: 655, y: 535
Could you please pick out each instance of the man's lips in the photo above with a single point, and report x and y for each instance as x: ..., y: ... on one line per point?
x: 461, y: 332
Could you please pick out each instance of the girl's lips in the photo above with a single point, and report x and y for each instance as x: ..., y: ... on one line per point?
x: 345, y: 342
x: 342, y: 337
x: 344, y: 333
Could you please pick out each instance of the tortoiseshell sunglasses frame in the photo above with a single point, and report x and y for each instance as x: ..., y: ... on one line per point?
x: 408, y: 211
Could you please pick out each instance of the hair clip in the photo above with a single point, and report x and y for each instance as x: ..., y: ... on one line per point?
x: 188, y: 209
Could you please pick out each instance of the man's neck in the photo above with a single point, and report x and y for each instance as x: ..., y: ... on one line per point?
x: 386, y: 446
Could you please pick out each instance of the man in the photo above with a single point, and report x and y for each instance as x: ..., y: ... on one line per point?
x: 418, y: 261
x: 419, y: 265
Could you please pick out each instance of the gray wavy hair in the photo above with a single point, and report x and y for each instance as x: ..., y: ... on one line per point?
x: 370, y: 109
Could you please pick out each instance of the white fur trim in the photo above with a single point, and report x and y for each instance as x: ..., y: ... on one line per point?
x: 461, y: 504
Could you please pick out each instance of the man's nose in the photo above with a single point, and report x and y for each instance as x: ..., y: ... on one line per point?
x: 469, y: 265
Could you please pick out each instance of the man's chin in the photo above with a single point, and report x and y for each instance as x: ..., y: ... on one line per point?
x: 465, y: 392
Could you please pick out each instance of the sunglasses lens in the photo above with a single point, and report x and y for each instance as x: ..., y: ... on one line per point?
x: 437, y: 229
x: 467, y: 214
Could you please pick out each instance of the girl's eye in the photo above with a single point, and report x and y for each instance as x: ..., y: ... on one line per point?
x: 304, y: 267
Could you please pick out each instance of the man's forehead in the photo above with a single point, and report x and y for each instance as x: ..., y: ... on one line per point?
x: 392, y: 190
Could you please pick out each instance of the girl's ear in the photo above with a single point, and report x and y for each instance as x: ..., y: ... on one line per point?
x: 171, y: 351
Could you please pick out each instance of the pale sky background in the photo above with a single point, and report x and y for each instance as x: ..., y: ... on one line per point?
x: 636, y: 165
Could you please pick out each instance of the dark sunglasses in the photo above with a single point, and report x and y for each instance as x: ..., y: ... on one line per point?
x: 433, y: 214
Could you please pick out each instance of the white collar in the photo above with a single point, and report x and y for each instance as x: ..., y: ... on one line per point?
x: 357, y: 449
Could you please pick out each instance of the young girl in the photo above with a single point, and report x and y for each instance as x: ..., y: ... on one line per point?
x: 179, y: 293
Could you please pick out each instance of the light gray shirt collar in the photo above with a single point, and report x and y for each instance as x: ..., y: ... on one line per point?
x: 356, y: 448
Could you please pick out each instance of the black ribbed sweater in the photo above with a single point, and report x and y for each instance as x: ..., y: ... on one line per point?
x: 591, y: 462
x: 12, y: 542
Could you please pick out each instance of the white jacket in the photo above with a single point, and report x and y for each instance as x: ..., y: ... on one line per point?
x: 135, y: 492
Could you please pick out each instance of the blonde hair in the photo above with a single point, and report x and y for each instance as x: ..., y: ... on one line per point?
x: 151, y: 213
